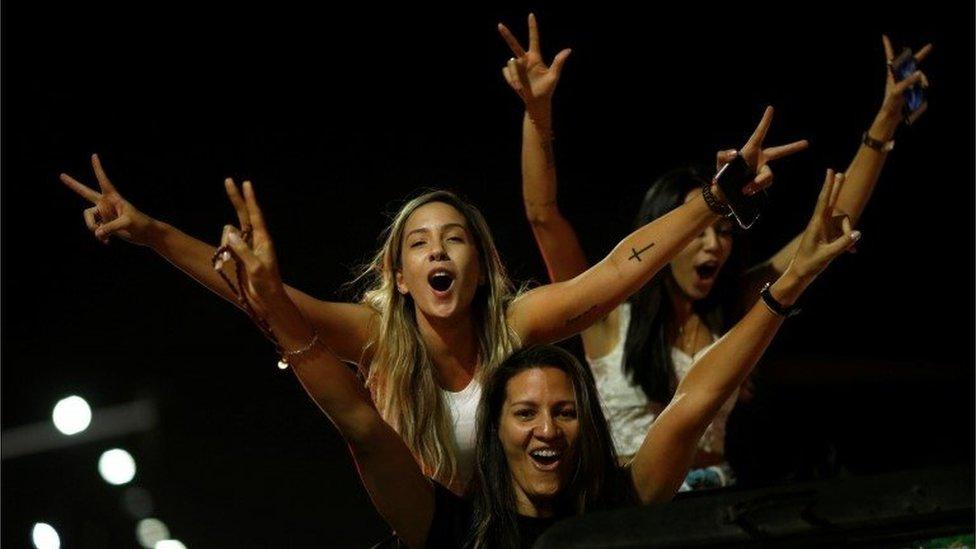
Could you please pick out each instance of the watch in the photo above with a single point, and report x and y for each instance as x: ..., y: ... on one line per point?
x: 880, y: 146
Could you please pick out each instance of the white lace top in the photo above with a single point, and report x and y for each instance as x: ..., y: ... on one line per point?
x: 627, y: 408
x: 464, y: 406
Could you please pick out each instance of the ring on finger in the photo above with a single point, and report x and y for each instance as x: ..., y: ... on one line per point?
x: 246, y: 234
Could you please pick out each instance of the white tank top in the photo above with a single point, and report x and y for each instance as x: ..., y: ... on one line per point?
x: 629, y: 412
x: 464, y: 407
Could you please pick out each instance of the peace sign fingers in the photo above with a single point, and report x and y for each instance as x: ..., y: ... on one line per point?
x: 510, y: 39
x: 240, y: 207
x: 103, y: 181
x: 81, y: 189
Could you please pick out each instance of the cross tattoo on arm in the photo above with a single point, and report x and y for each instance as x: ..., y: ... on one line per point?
x: 636, y: 254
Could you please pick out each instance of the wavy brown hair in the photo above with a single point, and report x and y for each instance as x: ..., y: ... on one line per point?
x: 401, y: 375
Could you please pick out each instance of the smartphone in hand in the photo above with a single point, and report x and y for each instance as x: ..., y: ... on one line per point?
x: 901, y: 68
x: 731, y: 178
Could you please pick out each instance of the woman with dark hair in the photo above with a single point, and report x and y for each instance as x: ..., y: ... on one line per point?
x: 665, y: 325
x: 640, y: 351
x: 597, y: 481
x: 543, y: 447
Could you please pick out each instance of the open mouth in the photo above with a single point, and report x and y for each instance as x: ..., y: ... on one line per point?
x: 546, y: 458
x: 707, y: 271
x: 440, y: 280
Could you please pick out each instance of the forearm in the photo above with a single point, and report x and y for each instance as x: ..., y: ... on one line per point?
x: 326, y: 379
x: 191, y: 256
x: 344, y: 327
x: 557, y: 311
x: 391, y: 476
x: 640, y: 255
x: 726, y: 365
x: 538, y: 162
x: 862, y: 174
x: 859, y: 181
x: 555, y: 237
x: 670, y: 446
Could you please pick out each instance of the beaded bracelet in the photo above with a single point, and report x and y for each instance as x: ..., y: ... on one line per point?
x: 713, y: 203
x: 222, y: 254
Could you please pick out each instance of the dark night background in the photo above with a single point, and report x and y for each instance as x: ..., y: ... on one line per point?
x: 337, y: 116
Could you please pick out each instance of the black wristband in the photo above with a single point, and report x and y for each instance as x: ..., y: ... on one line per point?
x: 713, y: 204
x: 775, y: 306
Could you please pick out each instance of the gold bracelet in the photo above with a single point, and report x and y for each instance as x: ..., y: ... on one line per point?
x: 287, y: 356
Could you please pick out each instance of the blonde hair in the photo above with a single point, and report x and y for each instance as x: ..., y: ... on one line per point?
x: 401, y: 373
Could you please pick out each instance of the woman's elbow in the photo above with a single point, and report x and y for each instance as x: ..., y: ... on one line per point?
x: 362, y: 427
x: 542, y: 216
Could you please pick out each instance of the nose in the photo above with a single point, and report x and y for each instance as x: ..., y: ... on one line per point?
x: 547, y: 429
x: 710, y: 239
x: 437, y: 251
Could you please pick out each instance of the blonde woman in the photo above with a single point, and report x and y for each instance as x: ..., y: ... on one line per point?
x: 440, y: 311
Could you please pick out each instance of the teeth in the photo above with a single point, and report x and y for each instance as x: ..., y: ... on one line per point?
x: 545, y: 453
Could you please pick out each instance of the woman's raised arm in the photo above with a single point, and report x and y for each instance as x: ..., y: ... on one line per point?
x: 398, y: 488
x: 556, y: 311
x: 671, y: 443
x: 534, y: 82
x: 863, y: 172
x: 344, y: 326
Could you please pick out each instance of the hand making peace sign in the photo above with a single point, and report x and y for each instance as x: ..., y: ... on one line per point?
x: 111, y: 214
x: 527, y: 73
x: 251, y: 246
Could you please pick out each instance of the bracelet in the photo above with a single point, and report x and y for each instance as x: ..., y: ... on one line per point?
x: 775, y: 306
x: 287, y: 356
x: 880, y: 146
x: 713, y: 203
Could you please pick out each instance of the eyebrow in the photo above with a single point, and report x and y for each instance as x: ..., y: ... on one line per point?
x: 533, y: 403
x: 443, y: 227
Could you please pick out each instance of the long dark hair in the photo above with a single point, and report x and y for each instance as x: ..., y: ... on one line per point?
x: 647, y: 351
x: 598, y: 482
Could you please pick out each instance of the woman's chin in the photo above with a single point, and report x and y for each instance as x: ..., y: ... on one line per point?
x: 441, y: 311
x: 543, y: 491
x: 702, y: 289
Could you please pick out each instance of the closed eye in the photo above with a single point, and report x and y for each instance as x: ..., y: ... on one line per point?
x: 417, y: 243
x: 569, y: 414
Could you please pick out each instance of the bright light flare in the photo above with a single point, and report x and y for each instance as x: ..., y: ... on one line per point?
x: 151, y: 531
x: 45, y: 536
x: 71, y: 415
x: 117, y: 466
